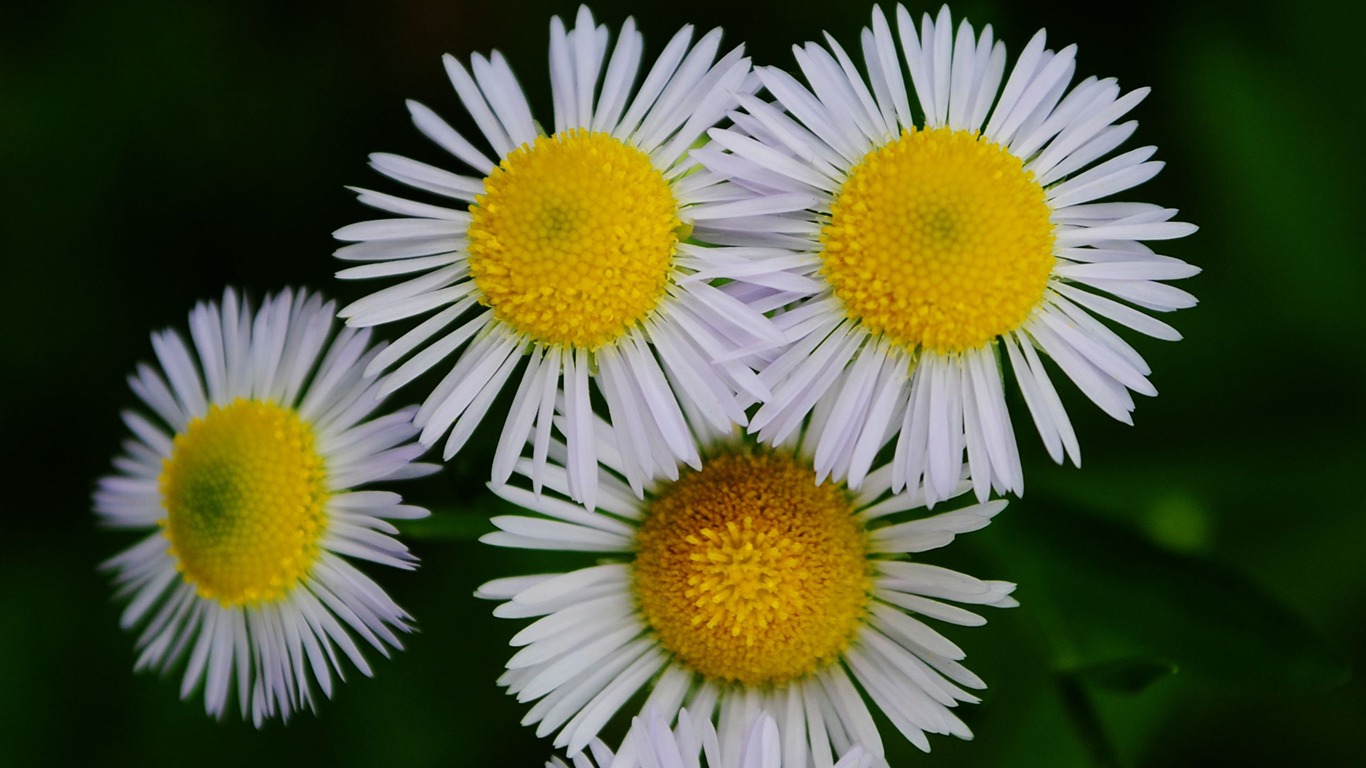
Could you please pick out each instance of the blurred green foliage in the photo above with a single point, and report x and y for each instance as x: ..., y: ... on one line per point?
x: 1193, y: 596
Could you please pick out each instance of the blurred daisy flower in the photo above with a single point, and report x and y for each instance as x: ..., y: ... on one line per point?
x: 243, y: 475
x: 578, y: 251
x: 952, y: 220
x: 693, y: 744
x: 743, y: 584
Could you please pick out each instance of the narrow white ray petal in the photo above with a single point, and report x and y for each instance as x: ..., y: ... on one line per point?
x: 989, y: 87
x: 566, y: 105
x: 1020, y: 77
x: 1099, y: 332
x: 997, y: 431
x: 424, y: 360
x: 530, y: 533
x: 853, y: 711
x: 478, y: 108
x: 749, y: 148
x: 151, y: 388
x: 659, y: 76
x: 587, y: 61
x: 942, y: 462
x: 1039, y: 410
x: 1043, y: 90
x: 1145, y: 293
x: 1104, y: 142
x: 1082, y: 190
x: 635, y: 438
x: 881, y: 129
x: 621, y: 71
x: 181, y: 372
x: 673, y: 105
x: 812, y: 114
x: 908, y: 462
x: 466, y: 423
x: 1097, y: 353
x: 561, y: 705
x: 830, y: 86
x: 396, y: 250
x: 1050, y: 398
x: 582, y: 454
x: 427, y: 177
x: 446, y: 137
x: 399, y: 229
x: 545, y: 412
x: 889, y: 65
x: 470, y: 376
x: 1165, y: 230
x: 962, y: 77
x: 905, y: 706
x: 815, y: 723
x: 802, y: 391
x: 417, y: 336
x: 942, y: 64
x: 1099, y: 388
x: 917, y: 61
x: 1086, y: 97
x: 857, y: 384
x: 207, y: 333
x: 979, y: 460
x: 1113, y: 310
x: 1077, y: 135
x: 585, y: 726
x: 401, y: 267
x: 520, y: 417
x: 698, y: 383
x: 405, y: 207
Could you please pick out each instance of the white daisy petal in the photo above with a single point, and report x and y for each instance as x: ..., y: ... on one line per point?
x: 671, y: 610
x: 889, y: 64
x: 932, y: 286
x: 810, y: 112
x: 280, y: 420
x: 439, y: 131
x: 477, y: 107
x: 624, y: 64
x: 656, y: 81
x: 405, y: 207
x: 619, y: 167
x: 426, y: 177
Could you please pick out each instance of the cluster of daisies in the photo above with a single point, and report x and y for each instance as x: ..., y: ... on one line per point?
x: 756, y: 324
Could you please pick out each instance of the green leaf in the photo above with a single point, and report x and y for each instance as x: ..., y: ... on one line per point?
x: 1108, y: 593
x: 1081, y: 711
x: 1131, y: 675
x: 448, y: 525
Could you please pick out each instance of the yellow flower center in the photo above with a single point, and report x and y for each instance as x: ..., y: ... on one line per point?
x: 244, y: 491
x: 939, y: 239
x: 573, y: 239
x: 750, y: 572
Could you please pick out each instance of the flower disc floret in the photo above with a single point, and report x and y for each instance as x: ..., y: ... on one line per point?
x: 939, y: 239
x: 573, y: 239
x: 751, y: 572
x: 244, y: 491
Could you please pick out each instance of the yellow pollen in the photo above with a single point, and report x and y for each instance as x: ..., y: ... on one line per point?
x: 939, y: 239
x: 573, y: 239
x: 244, y: 491
x: 750, y: 572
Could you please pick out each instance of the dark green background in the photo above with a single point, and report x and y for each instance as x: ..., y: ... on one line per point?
x: 152, y: 152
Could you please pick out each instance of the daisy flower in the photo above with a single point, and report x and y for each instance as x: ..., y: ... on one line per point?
x: 243, y: 477
x: 650, y: 743
x: 744, y: 585
x: 953, y: 220
x: 579, y: 251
